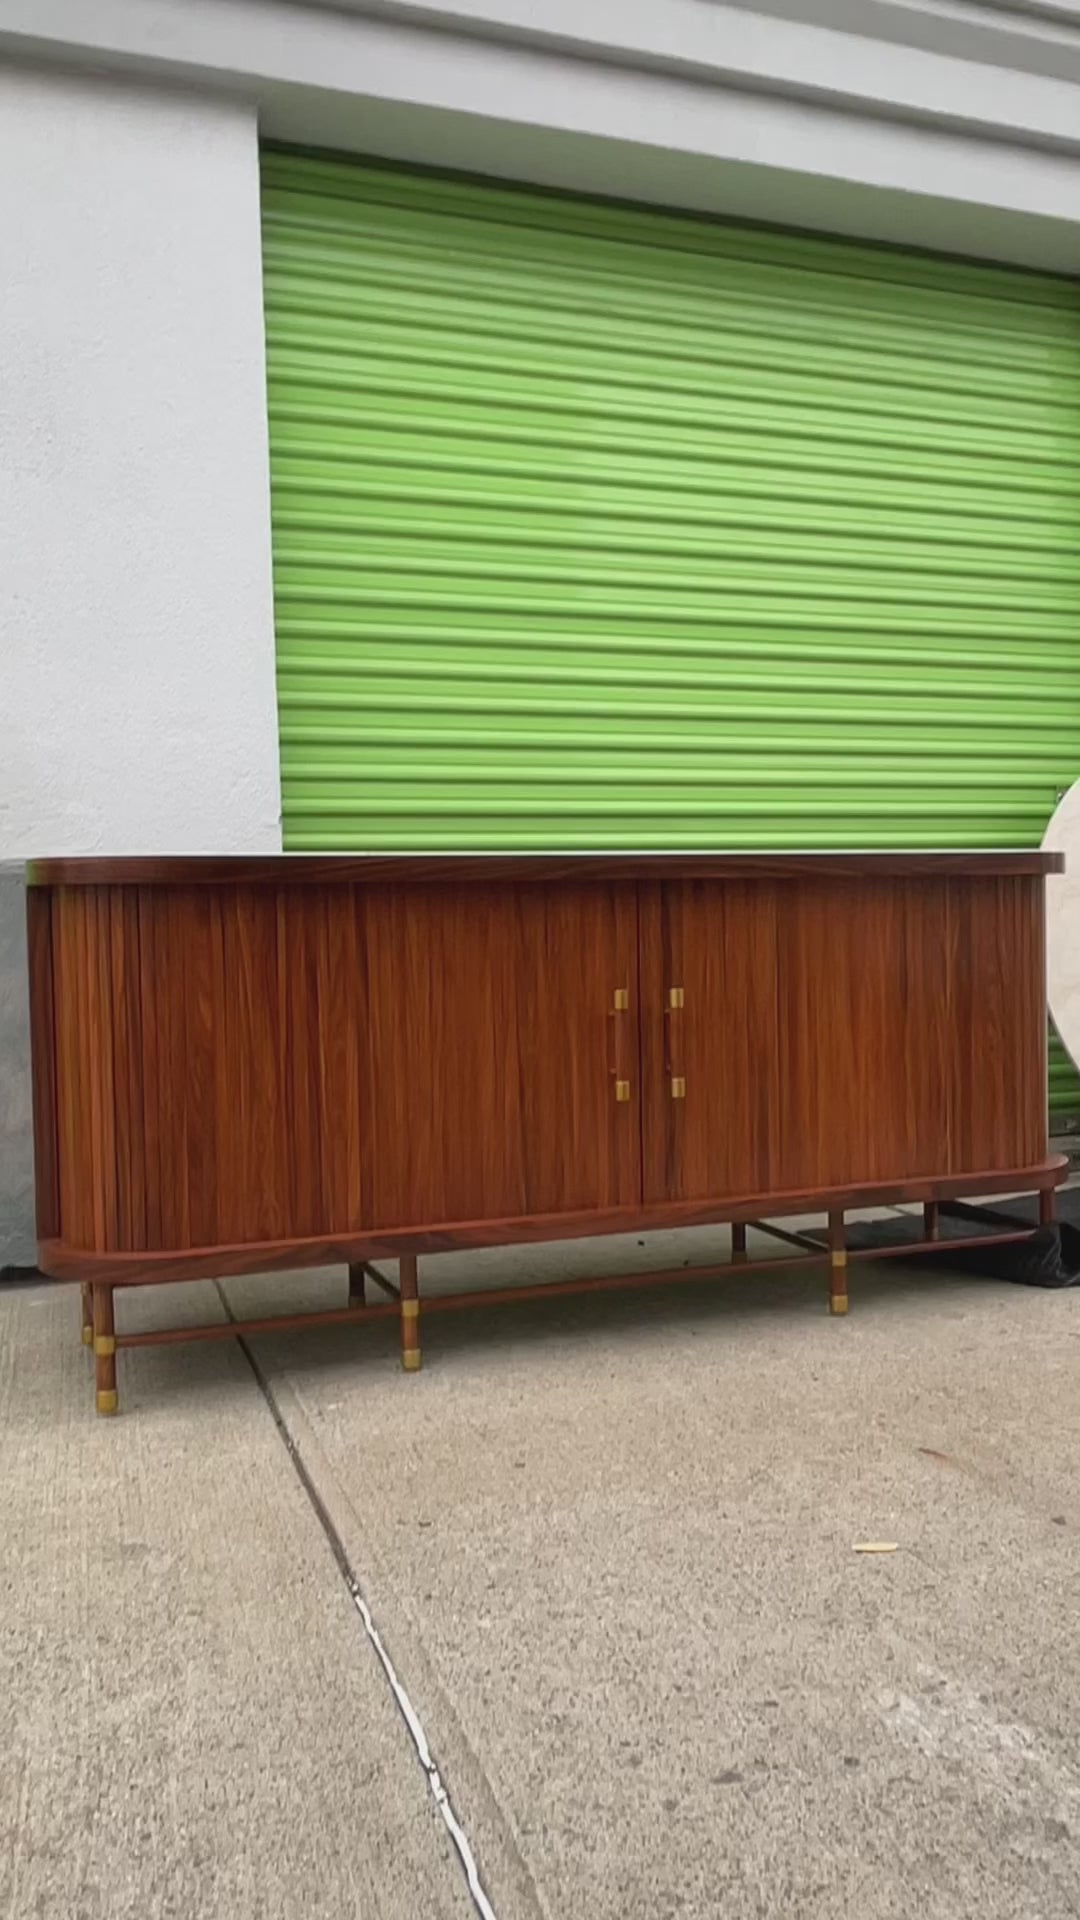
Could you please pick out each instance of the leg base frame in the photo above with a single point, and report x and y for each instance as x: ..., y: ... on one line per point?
x: 826, y: 1253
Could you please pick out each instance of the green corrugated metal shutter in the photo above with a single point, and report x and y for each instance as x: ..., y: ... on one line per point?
x: 597, y: 526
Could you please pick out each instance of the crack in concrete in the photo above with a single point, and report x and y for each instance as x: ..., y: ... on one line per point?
x: 436, y: 1786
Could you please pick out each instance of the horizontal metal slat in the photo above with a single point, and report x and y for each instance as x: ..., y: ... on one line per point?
x: 598, y: 526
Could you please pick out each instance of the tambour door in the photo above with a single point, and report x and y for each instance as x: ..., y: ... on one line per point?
x: 836, y: 1032
x: 496, y: 1038
x: 710, y: 1039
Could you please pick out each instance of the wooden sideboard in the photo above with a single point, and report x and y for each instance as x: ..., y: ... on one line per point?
x: 254, y: 1063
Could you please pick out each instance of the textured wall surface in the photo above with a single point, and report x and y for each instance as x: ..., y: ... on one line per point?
x: 135, y: 602
x: 136, y: 623
x: 16, y: 1149
x: 942, y: 123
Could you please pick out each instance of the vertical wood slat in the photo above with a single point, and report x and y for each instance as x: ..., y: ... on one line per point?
x: 173, y: 958
x: 85, y: 1067
x: 486, y: 1050
x: 66, y: 1068
x: 340, y: 989
x: 129, y: 1079
x: 718, y: 943
x: 996, y: 1027
x: 82, y: 1049
x: 258, y: 1063
x: 81, y: 916
x: 39, y: 942
x: 103, y: 1067
x: 152, y: 1068
x: 254, y: 1139
x: 862, y: 994
x: 196, y: 1019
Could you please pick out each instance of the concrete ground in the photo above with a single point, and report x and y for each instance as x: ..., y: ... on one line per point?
x: 608, y: 1545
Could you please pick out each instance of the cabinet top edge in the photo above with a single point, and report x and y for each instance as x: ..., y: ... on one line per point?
x: 370, y: 868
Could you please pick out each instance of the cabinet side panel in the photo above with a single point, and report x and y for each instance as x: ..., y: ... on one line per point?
x: 997, y: 1052
x: 74, y: 1172
x: 85, y: 1068
x: 39, y: 938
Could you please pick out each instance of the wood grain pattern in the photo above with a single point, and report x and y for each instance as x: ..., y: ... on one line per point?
x: 486, y: 1051
x: 66, y: 1262
x: 717, y: 942
x: 995, y: 1039
x: 454, y: 869
x: 39, y: 949
x: 863, y: 1008
x: 251, y: 1071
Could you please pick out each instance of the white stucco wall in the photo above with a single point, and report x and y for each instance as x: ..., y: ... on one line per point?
x: 946, y: 123
x: 136, y: 619
x: 137, y: 705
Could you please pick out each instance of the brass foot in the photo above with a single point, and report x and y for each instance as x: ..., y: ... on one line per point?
x: 88, y: 1336
x: 104, y: 1348
x: 837, y: 1265
x: 410, y: 1360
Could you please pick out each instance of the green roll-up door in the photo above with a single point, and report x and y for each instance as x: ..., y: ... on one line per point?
x: 597, y: 526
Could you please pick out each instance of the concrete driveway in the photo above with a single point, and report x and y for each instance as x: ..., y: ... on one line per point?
x: 607, y: 1549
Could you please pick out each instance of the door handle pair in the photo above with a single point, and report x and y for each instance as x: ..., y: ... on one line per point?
x: 620, y: 1007
x: 673, y: 1043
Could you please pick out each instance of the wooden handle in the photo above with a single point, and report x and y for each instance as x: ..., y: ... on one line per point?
x: 673, y: 1030
x: 620, y: 1007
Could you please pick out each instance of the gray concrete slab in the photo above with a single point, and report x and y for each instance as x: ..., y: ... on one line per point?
x: 192, y: 1722
x: 611, y: 1542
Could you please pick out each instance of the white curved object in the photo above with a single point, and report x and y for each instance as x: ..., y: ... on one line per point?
x: 1063, y: 922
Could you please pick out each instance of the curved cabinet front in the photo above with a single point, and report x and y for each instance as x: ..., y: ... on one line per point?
x: 324, y: 1056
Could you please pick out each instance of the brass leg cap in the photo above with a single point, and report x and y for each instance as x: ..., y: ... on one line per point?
x: 838, y: 1303
x: 88, y: 1336
x: 411, y: 1360
x: 107, y: 1401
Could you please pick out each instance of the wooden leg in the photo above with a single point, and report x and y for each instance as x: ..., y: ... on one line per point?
x: 1047, y: 1206
x: 738, y: 1240
x: 408, y: 1281
x: 837, y: 1265
x: 87, y: 1310
x: 930, y: 1220
x: 104, y: 1348
x: 357, y: 1287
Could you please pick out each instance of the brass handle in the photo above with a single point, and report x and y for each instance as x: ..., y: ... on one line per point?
x: 620, y: 1004
x: 673, y: 1033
